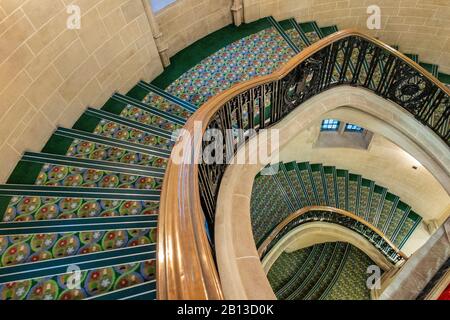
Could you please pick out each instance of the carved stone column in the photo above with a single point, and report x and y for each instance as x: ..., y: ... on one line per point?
x: 161, y: 45
x: 238, y: 14
x: 420, y: 268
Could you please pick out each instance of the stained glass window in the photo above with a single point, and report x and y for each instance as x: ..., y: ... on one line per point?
x: 353, y: 128
x: 330, y: 125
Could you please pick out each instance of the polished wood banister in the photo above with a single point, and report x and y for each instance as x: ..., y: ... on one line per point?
x: 185, y: 264
x: 263, y: 247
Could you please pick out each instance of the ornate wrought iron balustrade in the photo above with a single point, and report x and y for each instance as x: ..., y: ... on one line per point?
x: 353, y: 60
x: 330, y: 216
x: 190, y: 191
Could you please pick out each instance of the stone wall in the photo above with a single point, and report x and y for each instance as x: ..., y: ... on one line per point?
x: 417, y: 26
x: 186, y: 21
x: 419, y: 270
x: 50, y: 74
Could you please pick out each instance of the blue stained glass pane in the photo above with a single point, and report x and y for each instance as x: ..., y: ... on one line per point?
x: 353, y: 128
x: 330, y: 125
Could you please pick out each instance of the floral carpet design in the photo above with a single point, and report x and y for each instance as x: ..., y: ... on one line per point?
x: 96, y: 151
x: 256, y: 55
x: 296, y: 38
x: 335, y: 271
x: 40, y: 247
x: 110, y: 129
x: 93, y: 282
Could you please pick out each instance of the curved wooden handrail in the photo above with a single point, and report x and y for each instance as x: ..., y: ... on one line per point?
x: 263, y: 247
x: 186, y: 268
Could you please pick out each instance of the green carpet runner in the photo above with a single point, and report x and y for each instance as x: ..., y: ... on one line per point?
x: 328, y: 271
x: 306, y: 33
x: 90, y: 199
x: 298, y: 185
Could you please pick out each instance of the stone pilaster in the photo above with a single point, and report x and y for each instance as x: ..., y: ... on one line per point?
x: 157, y: 34
x: 420, y: 268
x: 237, y: 10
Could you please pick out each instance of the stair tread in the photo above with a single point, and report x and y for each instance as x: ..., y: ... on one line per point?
x: 291, y: 262
x: 322, y: 271
x: 295, y: 33
x: 318, y: 179
x: 109, y: 168
x: 350, y: 283
x: 32, y: 250
x: 328, y: 274
x: 297, y: 184
x: 330, y: 178
x: 145, y: 291
x: 94, y: 282
x: 163, y: 100
x: 85, y: 148
x: 302, y: 271
x: 284, y: 35
x: 304, y: 184
x: 83, y: 164
x: 313, y: 276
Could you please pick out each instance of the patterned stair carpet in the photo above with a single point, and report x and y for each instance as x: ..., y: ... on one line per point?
x: 89, y: 201
x: 329, y: 271
x: 298, y: 185
x: 257, y: 55
x: 93, y: 203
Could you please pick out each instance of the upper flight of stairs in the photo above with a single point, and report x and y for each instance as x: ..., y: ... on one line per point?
x: 292, y: 186
x: 89, y: 200
x: 328, y: 271
x: 304, y: 34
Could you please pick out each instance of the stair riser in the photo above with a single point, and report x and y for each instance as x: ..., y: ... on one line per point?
x: 84, y: 262
x: 94, y: 164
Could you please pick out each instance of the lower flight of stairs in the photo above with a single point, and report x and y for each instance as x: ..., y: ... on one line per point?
x: 79, y: 219
x: 328, y: 271
x: 293, y: 186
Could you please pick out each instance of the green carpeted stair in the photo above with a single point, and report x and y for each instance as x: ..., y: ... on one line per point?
x: 90, y: 198
x: 93, y: 206
x: 333, y: 270
x: 297, y: 185
x: 91, y: 203
x: 306, y: 33
x: 292, y: 29
x: 349, y: 282
x: 328, y: 271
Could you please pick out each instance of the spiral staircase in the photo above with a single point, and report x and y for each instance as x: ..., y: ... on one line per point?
x: 331, y: 270
x: 80, y: 218
x: 298, y: 185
